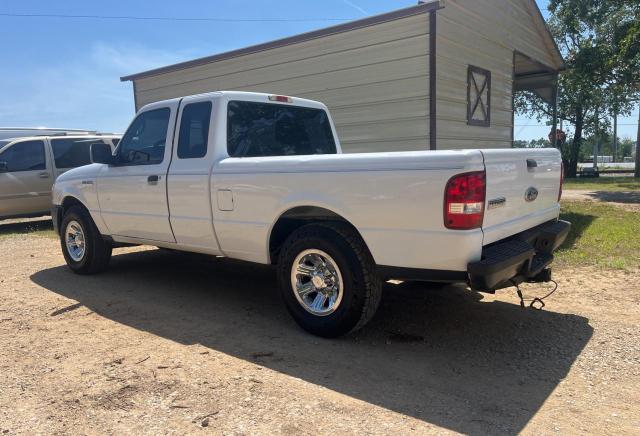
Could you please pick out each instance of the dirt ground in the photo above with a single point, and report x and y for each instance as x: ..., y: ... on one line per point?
x: 626, y: 199
x: 169, y: 343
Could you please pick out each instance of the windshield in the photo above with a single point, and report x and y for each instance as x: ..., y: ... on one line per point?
x: 5, y: 142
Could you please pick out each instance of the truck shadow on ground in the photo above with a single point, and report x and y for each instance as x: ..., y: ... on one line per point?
x: 580, y: 222
x: 437, y: 353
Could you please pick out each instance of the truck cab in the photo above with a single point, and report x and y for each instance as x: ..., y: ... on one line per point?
x: 158, y: 193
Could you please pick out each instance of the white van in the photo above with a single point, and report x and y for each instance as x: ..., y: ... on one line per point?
x: 29, y: 166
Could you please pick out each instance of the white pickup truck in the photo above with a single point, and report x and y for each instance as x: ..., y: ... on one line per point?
x: 262, y: 178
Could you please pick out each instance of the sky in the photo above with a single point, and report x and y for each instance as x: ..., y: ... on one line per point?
x: 58, y: 72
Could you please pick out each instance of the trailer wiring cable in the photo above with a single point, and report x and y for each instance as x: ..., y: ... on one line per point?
x: 533, y: 301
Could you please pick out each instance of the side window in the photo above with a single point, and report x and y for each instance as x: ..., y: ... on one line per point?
x: 72, y: 153
x: 267, y: 129
x: 194, y: 130
x: 24, y: 156
x: 144, y: 142
x: 478, y: 96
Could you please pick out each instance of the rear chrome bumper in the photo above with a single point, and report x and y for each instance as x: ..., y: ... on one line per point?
x: 523, y: 257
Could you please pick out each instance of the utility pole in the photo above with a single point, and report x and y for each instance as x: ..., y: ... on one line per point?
x: 596, y: 141
x: 554, y: 129
x: 637, y: 173
x: 615, y: 134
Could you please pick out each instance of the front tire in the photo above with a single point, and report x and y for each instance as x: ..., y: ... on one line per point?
x: 328, y: 279
x: 83, y: 247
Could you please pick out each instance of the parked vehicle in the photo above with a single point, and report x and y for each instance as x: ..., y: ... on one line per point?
x: 29, y: 166
x: 262, y: 178
x: 21, y: 132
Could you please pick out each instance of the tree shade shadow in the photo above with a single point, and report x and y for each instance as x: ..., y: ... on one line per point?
x: 25, y: 226
x: 626, y: 197
x: 436, y: 353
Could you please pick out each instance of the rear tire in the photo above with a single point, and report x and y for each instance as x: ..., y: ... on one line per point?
x: 351, y: 291
x: 83, y: 247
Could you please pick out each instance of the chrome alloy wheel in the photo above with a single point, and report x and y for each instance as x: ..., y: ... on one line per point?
x: 317, y: 282
x: 74, y: 238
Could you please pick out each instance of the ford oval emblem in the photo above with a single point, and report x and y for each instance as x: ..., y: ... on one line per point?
x: 531, y: 194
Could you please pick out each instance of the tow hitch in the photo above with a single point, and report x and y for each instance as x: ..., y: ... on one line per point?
x: 537, y: 302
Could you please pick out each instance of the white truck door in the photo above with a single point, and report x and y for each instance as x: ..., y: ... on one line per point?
x: 25, y: 178
x: 133, y: 192
x: 188, y: 179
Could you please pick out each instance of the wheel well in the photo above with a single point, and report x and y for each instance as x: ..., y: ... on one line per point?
x: 69, y: 202
x: 295, y: 218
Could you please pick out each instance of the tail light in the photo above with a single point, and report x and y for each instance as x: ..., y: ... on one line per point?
x: 464, y: 201
x: 561, y: 181
x: 280, y: 98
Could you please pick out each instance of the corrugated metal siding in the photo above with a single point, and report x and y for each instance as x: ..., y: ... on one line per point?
x: 466, y: 35
x: 508, y: 23
x: 374, y: 80
x: 483, y: 33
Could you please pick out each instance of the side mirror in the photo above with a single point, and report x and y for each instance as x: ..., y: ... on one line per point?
x: 4, y: 168
x: 101, y: 153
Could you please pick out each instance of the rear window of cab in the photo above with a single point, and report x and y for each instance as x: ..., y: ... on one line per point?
x: 269, y: 129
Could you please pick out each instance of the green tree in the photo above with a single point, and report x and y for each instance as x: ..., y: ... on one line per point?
x: 534, y: 143
x: 600, y: 41
x: 626, y: 147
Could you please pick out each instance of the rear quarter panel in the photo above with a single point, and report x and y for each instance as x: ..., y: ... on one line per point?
x: 395, y: 201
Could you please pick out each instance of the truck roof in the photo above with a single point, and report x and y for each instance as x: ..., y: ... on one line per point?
x: 247, y: 96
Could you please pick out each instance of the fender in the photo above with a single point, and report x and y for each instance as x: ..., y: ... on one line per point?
x: 299, y: 200
x: 81, y: 185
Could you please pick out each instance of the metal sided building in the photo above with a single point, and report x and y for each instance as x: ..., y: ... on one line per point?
x: 438, y: 75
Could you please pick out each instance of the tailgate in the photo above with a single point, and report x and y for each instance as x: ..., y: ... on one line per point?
x: 522, y: 190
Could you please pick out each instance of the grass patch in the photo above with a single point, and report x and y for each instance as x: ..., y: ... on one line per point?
x: 601, y: 235
x: 41, y: 227
x: 604, y: 184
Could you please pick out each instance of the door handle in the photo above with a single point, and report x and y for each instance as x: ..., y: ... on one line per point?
x: 43, y: 175
x: 153, y: 179
x: 531, y: 163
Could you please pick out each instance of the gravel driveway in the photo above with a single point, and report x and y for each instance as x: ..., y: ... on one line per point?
x: 174, y: 343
